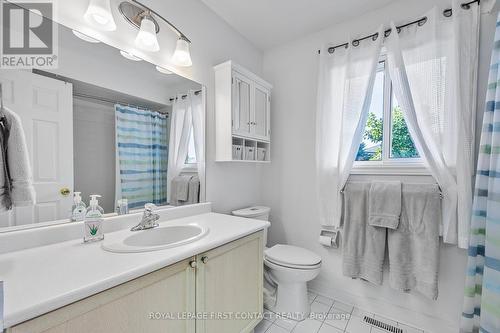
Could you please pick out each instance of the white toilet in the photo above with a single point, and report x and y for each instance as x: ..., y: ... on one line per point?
x: 289, y: 268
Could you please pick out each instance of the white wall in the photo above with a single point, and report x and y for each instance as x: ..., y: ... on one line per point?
x: 94, y: 151
x: 289, y: 181
x: 228, y: 186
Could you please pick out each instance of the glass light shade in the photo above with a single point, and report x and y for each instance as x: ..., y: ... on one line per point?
x: 84, y: 37
x: 163, y: 70
x: 182, y: 55
x: 146, y: 38
x: 99, y: 15
x: 130, y: 56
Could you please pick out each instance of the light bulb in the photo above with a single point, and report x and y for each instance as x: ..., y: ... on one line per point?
x: 146, y: 38
x: 85, y: 37
x: 99, y: 15
x: 130, y: 56
x: 182, y: 55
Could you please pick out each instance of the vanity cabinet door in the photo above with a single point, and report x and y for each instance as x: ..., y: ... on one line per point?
x: 261, y: 114
x: 229, y: 285
x: 241, y: 104
x: 149, y: 304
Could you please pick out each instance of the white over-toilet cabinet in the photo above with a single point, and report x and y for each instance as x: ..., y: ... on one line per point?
x: 243, y: 114
x: 217, y: 291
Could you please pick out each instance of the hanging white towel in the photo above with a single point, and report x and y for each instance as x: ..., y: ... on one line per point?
x: 22, y: 191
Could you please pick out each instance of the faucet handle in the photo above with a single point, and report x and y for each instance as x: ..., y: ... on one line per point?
x: 149, y: 207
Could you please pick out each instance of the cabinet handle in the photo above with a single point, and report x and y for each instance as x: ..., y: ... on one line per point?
x: 204, y: 259
x: 192, y: 263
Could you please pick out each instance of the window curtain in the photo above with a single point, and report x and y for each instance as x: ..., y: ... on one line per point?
x: 141, y: 146
x: 198, y: 115
x: 481, y: 309
x: 345, y: 86
x: 180, y: 131
x: 433, y: 69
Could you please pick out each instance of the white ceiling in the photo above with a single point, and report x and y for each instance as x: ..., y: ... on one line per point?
x: 267, y: 23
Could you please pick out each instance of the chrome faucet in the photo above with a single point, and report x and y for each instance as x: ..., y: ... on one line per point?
x: 148, y: 220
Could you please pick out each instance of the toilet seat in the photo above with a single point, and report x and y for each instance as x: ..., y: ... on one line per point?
x: 292, y: 257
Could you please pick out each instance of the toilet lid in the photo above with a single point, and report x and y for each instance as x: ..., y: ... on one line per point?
x: 292, y: 256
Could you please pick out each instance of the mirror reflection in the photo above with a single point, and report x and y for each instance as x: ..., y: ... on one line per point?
x: 103, y: 123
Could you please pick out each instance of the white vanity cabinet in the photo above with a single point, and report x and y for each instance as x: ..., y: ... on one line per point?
x: 243, y: 114
x: 227, y: 279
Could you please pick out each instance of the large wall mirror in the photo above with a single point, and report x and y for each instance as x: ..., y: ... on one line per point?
x: 104, y: 122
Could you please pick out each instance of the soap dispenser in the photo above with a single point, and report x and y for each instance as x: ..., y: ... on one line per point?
x: 79, y: 209
x: 93, y: 221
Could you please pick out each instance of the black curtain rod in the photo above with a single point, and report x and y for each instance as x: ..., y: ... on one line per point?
x: 420, y: 22
x: 197, y: 92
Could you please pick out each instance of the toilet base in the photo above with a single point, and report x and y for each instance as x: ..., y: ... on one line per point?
x: 291, y: 301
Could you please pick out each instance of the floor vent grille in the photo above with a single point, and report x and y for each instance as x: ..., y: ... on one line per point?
x: 382, y: 325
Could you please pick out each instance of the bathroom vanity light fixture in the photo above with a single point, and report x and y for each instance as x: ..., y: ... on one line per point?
x: 85, y: 37
x: 129, y: 56
x: 182, y: 55
x: 145, y: 20
x: 99, y: 15
x: 146, y: 38
x: 163, y: 70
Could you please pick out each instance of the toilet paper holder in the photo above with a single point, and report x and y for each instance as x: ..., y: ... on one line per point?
x: 329, y: 238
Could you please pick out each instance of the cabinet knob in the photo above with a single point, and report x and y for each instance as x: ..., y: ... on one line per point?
x: 192, y: 263
x: 204, y: 259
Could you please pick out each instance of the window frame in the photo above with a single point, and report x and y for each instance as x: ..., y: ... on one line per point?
x: 388, y: 165
x: 190, y: 167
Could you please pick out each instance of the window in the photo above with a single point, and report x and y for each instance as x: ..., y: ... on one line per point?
x: 191, y: 154
x: 386, y: 144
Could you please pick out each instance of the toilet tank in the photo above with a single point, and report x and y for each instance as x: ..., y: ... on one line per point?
x: 255, y: 212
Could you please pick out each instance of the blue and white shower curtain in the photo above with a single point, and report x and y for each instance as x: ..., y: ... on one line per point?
x: 481, y: 310
x: 142, y: 154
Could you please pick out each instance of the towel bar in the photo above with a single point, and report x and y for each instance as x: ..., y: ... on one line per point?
x: 439, y: 187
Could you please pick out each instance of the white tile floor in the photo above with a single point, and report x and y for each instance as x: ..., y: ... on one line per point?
x: 328, y: 316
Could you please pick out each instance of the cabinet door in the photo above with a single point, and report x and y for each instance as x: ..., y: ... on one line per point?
x: 261, y: 114
x: 148, y: 304
x: 229, y: 285
x: 241, y: 104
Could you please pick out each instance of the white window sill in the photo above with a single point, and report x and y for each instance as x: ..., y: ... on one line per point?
x: 389, y: 168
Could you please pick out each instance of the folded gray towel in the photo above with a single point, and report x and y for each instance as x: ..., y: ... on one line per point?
x: 363, y: 246
x: 194, y: 190
x: 385, y: 204
x: 414, y: 246
x: 182, y: 188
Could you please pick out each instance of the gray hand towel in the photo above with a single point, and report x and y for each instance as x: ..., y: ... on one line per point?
x: 385, y: 204
x: 182, y: 187
x: 363, y: 246
x: 194, y: 190
x: 414, y: 246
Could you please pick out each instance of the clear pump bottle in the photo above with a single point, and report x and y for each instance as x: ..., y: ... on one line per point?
x: 93, y: 221
x: 79, y: 209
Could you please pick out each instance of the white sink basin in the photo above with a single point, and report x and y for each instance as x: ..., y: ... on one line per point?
x: 159, y: 238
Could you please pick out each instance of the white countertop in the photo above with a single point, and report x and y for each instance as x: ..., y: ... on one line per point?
x: 42, y: 279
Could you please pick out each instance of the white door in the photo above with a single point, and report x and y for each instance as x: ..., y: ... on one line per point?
x: 45, y: 106
x: 241, y: 107
x: 261, y: 114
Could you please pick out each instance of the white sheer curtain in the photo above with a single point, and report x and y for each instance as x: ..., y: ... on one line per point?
x: 433, y: 69
x: 345, y: 86
x: 197, y: 108
x: 180, y: 131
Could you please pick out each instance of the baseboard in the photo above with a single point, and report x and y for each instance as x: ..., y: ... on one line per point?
x: 397, y: 313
